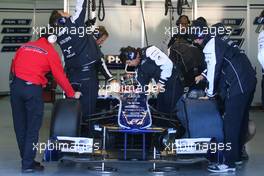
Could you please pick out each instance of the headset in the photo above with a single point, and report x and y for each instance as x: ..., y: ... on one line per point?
x: 60, y: 21
x: 52, y: 39
x: 97, y: 35
x: 128, y: 53
x: 131, y: 55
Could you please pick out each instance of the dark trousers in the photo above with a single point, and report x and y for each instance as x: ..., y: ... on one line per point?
x: 166, y: 101
x: 87, y: 83
x: 236, y: 125
x: 262, y: 86
x: 27, y: 110
x: 89, y: 89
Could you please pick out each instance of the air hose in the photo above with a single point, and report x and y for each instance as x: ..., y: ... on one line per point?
x: 101, y: 11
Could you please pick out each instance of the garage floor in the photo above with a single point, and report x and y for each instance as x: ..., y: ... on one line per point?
x: 10, y: 162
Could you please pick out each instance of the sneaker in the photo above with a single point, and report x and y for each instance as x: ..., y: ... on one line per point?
x: 27, y: 171
x: 239, y: 162
x: 244, y: 155
x: 38, y: 167
x: 220, y: 168
x: 37, y: 163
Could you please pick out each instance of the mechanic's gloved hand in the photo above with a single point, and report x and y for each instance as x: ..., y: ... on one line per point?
x: 199, y: 78
x: 77, y: 95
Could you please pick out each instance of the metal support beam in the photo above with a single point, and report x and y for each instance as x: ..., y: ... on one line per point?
x: 248, y: 27
x: 142, y: 27
x: 194, y: 8
x: 66, y: 5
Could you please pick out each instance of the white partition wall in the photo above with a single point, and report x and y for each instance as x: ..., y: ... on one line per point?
x: 11, y: 10
x: 255, y: 9
x: 37, y: 11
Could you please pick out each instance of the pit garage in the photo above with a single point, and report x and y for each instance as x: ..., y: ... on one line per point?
x: 131, y: 87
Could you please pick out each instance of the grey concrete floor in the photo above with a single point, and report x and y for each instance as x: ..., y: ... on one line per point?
x: 10, y: 161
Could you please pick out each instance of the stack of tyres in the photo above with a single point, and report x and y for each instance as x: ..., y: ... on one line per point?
x: 201, y: 118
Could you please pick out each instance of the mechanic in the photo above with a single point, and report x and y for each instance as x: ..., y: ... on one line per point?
x: 182, y: 51
x: 31, y: 63
x: 229, y: 73
x: 261, y: 56
x: 202, y: 19
x: 101, y: 36
x: 225, y: 35
x: 82, y: 56
x: 188, y: 61
x: 182, y: 24
x: 151, y: 62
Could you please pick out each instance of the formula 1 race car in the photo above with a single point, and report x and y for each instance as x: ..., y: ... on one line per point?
x: 128, y: 125
x: 126, y: 111
x: 125, y: 116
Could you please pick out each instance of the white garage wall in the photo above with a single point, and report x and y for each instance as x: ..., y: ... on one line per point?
x: 124, y: 24
x: 22, y: 9
x: 255, y: 11
x: 5, y: 58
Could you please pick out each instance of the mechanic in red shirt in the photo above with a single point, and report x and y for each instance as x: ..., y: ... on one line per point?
x: 31, y: 63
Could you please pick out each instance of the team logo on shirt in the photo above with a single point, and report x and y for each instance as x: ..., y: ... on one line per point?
x: 65, y: 40
x: 34, y: 49
x: 68, y: 51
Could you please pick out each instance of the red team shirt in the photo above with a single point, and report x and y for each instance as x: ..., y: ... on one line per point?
x: 34, y: 60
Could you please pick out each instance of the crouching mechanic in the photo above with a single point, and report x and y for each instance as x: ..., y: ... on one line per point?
x: 152, y: 63
x: 82, y: 56
x: 31, y: 63
x: 261, y: 55
x: 231, y: 75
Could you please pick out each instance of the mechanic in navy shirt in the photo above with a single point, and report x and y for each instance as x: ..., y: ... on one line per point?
x: 82, y: 55
x: 230, y: 74
x: 31, y: 63
x: 152, y: 63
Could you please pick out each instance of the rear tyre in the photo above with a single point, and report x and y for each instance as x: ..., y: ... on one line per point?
x: 66, y: 118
